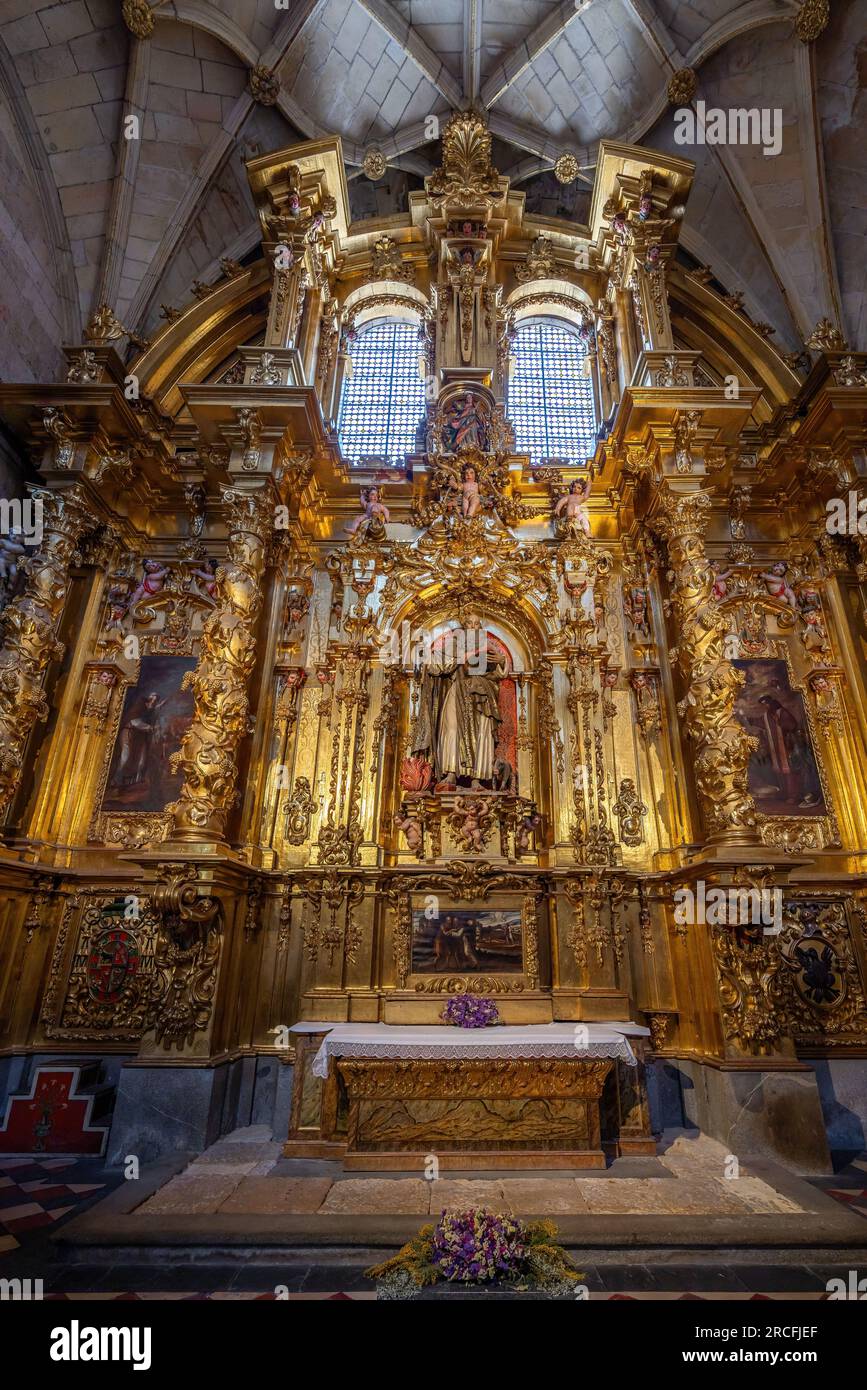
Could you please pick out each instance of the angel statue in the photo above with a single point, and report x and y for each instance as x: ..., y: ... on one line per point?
x: 470, y: 496
x: 571, y: 504
x: 371, y: 523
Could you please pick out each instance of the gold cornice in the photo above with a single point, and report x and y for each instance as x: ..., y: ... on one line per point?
x: 201, y: 337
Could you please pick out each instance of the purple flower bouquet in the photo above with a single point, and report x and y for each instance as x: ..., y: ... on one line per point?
x: 476, y: 1246
x: 471, y: 1011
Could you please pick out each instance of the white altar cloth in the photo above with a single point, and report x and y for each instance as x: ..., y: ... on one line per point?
x: 446, y: 1042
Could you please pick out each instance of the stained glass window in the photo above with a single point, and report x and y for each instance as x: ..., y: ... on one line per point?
x: 384, y: 398
x: 550, y: 399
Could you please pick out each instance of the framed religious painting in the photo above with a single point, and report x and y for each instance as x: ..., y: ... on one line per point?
x: 785, y: 776
x: 485, y: 946
x: 149, y: 725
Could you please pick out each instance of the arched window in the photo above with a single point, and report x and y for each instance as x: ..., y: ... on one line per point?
x: 383, y: 395
x: 550, y: 394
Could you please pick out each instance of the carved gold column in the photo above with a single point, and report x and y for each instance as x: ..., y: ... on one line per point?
x: 208, y: 757
x: 30, y: 628
x: 722, y: 747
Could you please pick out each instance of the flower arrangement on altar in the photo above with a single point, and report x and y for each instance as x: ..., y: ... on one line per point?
x: 471, y: 1011
x: 479, y: 1247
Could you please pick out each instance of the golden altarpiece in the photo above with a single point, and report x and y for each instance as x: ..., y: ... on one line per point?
x: 685, y: 674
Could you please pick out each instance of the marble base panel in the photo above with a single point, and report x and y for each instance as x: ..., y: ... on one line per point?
x: 161, y: 1110
x: 757, y: 1112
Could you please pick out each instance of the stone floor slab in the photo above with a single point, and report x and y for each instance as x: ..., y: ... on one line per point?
x: 461, y: 1193
x: 543, y: 1196
x: 234, y: 1155
x: 276, y: 1195
x: 759, y: 1196
x: 655, y: 1196
x: 370, y: 1196
x: 190, y: 1196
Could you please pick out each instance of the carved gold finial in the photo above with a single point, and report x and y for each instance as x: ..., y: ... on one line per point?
x: 106, y: 327
x: 682, y: 87
x: 264, y: 85
x: 826, y: 338
x: 387, y: 262
x: 812, y: 19
x: 566, y: 168
x: 138, y: 18
x: 466, y: 174
x: 539, y: 263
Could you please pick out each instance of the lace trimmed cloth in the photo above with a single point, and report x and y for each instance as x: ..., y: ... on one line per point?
x: 519, y: 1042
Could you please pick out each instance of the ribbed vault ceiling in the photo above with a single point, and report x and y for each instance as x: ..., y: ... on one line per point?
x: 137, y: 222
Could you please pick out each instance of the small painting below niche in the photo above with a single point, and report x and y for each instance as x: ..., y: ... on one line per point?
x: 467, y: 941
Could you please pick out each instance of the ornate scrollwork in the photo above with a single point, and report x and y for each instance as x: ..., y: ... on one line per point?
x: 298, y: 811
x: 187, y: 955
x: 723, y: 748
x: 750, y: 988
x: 207, y: 757
x: 29, y: 628
x: 466, y: 174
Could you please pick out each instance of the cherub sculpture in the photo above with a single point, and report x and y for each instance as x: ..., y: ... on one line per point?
x: 470, y: 822
x: 208, y: 577
x: 571, y: 506
x: 778, y: 585
x: 471, y: 498
x: 815, y: 635
x: 411, y: 827
x: 118, y: 599
x: 372, y: 521
x: 529, y: 822
x: 720, y: 587
x: 636, y: 605
x: 153, y: 583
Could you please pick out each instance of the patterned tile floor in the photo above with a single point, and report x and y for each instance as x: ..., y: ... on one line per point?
x: 37, y: 1192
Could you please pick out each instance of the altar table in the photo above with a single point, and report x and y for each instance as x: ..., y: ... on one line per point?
x: 506, y: 1096
x: 441, y: 1042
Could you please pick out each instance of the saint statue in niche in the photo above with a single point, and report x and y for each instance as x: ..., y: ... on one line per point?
x: 458, y: 722
x: 464, y: 425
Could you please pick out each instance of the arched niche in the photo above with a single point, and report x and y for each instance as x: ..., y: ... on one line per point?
x: 551, y: 299
x: 511, y: 629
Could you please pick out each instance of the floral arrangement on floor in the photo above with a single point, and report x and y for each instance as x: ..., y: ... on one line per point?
x: 471, y: 1011
x: 477, y: 1247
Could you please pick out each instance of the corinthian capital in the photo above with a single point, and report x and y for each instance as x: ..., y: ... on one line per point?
x: 682, y: 514
x: 249, y: 513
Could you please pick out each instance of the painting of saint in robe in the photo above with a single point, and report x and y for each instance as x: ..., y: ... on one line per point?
x: 783, y: 775
x: 467, y: 941
x: 155, y: 717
